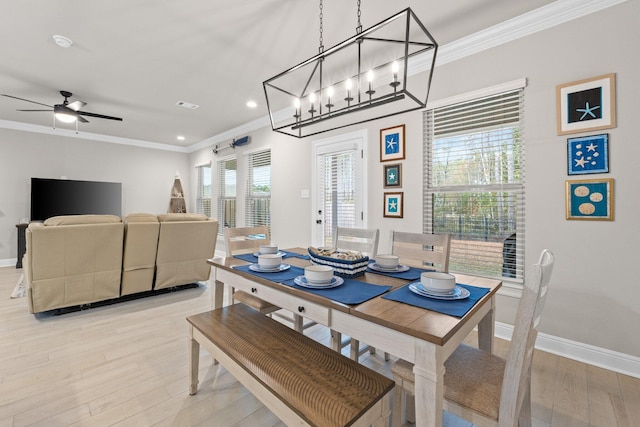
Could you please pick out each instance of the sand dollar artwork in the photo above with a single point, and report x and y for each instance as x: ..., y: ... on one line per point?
x: 581, y: 191
x: 587, y: 209
x: 596, y: 197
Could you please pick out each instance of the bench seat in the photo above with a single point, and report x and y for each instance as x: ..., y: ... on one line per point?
x: 300, y: 380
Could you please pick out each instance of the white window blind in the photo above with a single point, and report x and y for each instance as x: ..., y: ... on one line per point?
x: 203, y: 191
x: 258, y: 195
x: 338, y: 179
x: 227, y: 175
x: 474, y: 183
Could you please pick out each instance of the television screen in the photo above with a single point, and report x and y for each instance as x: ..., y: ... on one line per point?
x: 52, y: 197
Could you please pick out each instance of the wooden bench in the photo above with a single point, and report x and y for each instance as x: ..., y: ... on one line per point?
x: 300, y: 380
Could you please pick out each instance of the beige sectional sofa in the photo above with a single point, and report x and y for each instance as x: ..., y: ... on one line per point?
x: 82, y: 259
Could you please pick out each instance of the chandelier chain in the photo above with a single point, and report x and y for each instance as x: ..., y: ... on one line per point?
x: 321, y: 48
x: 359, y: 27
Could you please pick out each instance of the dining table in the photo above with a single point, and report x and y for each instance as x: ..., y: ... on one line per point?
x: 378, y: 309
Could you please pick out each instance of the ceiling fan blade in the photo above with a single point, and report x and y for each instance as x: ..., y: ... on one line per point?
x: 35, y: 110
x: 99, y: 116
x: 22, y: 99
x: 76, y: 105
x: 82, y: 119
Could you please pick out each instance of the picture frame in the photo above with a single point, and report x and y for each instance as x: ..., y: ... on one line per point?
x: 588, y: 154
x: 590, y: 199
x: 392, y: 143
x: 586, y: 105
x: 393, y: 175
x: 393, y: 205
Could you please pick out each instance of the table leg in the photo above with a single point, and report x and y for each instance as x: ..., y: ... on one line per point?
x: 217, y: 294
x: 486, y: 329
x: 429, y: 385
x: 194, y: 361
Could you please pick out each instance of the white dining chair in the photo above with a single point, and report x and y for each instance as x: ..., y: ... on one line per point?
x: 482, y: 387
x: 422, y: 250
x: 248, y: 240
x: 365, y: 241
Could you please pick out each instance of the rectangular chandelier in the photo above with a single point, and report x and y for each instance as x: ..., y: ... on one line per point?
x: 381, y: 71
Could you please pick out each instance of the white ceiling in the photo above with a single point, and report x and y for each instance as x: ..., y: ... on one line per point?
x: 136, y: 58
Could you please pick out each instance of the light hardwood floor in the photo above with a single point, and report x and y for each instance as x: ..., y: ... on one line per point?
x: 127, y: 365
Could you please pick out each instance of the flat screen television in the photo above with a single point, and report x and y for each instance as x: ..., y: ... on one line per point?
x: 52, y: 197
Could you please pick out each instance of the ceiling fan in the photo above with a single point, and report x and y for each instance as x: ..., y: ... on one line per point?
x: 67, y: 112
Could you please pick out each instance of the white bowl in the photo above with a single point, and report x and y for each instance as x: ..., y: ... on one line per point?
x: 318, y: 274
x: 387, y: 261
x: 268, y: 249
x: 269, y: 261
x: 435, y: 281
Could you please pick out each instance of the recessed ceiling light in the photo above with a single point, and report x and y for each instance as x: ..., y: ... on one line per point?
x: 252, y: 104
x: 180, y: 138
x: 62, y: 41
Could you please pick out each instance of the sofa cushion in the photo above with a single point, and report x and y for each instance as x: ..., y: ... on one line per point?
x: 174, y: 217
x: 140, y: 217
x: 82, y: 220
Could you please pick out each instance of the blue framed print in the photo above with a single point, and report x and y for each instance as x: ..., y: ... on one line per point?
x: 590, y: 199
x: 588, y: 154
x: 392, y: 143
x: 586, y: 105
x: 393, y: 176
x: 393, y: 205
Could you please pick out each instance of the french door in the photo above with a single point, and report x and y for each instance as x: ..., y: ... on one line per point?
x: 339, y: 185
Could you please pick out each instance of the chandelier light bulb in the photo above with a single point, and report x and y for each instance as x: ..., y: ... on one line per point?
x: 312, y: 97
x: 330, y: 91
x: 296, y: 102
x: 395, y: 67
x: 348, y: 84
x: 370, y: 76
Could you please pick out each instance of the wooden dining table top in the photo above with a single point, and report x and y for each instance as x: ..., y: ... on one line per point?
x: 419, y: 322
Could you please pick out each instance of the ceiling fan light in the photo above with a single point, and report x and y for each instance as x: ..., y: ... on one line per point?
x: 65, y: 118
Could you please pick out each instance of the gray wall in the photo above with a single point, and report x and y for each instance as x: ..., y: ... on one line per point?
x: 592, y: 299
x: 146, y: 175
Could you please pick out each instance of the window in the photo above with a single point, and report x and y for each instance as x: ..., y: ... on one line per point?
x: 474, y: 182
x: 258, y: 195
x: 203, y: 192
x: 227, y: 174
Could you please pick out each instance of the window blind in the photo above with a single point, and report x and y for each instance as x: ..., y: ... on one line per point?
x: 227, y: 175
x: 338, y: 172
x: 203, y: 191
x: 258, y: 194
x: 474, y: 183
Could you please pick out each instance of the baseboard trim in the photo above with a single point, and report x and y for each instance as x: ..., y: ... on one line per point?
x: 608, y: 359
x: 8, y: 262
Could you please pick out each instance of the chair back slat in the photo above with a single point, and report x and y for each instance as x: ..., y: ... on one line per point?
x: 357, y: 239
x: 517, y: 375
x: 245, y: 239
x: 422, y: 249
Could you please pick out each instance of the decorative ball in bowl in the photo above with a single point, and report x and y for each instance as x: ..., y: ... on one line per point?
x: 387, y: 261
x: 268, y: 249
x: 437, y: 282
x: 269, y: 261
x: 318, y: 274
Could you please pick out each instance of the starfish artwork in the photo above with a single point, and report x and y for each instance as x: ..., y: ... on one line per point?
x: 585, y: 105
x: 393, y: 205
x: 588, y: 154
x: 587, y: 111
x: 392, y: 143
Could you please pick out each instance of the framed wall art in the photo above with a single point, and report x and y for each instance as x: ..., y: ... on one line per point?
x: 392, y: 143
x: 393, y: 175
x: 586, y: 105
x: 588, y: 154
x: 590, y: 199
x: 393, y: 203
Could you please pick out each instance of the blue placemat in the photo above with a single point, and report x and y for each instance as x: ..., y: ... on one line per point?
x: 280, y: 276
x: 350, y: 292
x: 412, y: 273
x: 456, y: 308
x: 252, y: 258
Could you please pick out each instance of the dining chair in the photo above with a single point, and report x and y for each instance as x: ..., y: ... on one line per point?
x: 360, y: 240
x: 422, y: 250
x: 248, y: 240
x: 479, y: 386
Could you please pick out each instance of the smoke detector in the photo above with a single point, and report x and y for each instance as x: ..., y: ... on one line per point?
x: 62, y: 41
x: 188, y: 105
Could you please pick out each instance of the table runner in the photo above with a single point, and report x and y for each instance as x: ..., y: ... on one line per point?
x: 456, y: 308
x: 350, y: 292
x: 253, y: 259
x: 413, y: 273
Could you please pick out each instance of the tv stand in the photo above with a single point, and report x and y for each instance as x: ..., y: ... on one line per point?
x: 22, y: 243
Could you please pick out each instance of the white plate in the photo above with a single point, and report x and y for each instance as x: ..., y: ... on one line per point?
x: 256, y: 254
x: 281, y: 267
x: 457, y: 293
x: 399, y: 269
x: 302, y: 281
